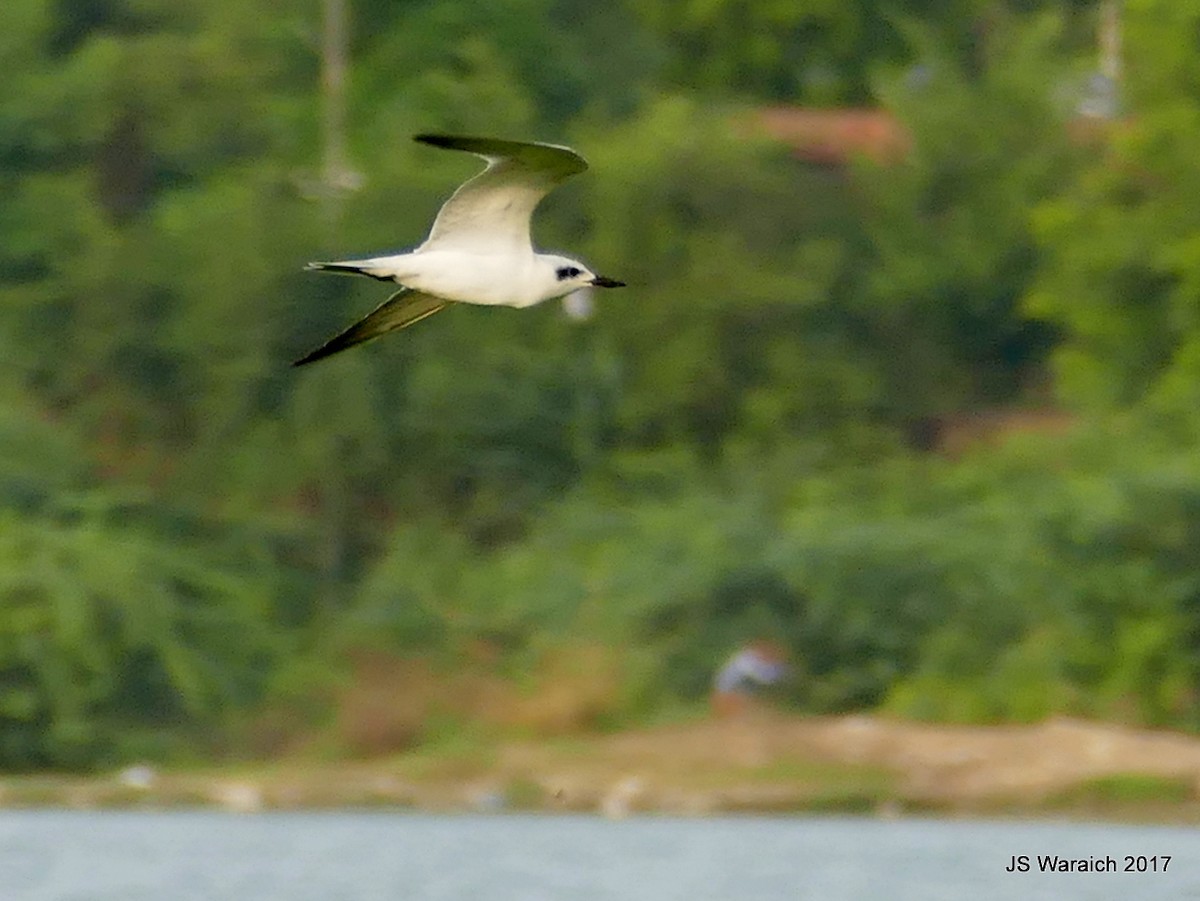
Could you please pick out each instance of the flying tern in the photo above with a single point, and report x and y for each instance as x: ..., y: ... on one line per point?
x: 479, y: 250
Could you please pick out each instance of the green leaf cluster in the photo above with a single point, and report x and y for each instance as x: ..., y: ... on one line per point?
x: 733, y: 447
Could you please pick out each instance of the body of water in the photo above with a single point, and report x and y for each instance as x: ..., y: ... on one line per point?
x: 361, y: 856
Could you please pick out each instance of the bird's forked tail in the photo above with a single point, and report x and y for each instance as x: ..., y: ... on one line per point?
x: 349, y: 267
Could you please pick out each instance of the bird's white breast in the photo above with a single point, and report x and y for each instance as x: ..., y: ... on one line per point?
x: 486, y: 279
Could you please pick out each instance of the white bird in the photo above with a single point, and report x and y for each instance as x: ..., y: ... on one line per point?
x: 479, y: 250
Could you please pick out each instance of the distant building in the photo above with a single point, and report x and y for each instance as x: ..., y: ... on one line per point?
x: 835, y: 137
x: 832, y: 137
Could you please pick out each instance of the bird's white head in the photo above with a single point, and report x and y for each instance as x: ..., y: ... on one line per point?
x: 564, y: 275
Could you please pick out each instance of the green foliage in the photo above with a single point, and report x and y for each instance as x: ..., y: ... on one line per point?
x: 1120, y: 274
x: 1127, y: 788
x: 113, y: 614
x: 190, y: 531
x: 950, y: 244
x: 989, y: 590
x: 1094, y: 614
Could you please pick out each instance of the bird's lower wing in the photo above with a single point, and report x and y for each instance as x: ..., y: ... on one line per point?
x: 399, y: 311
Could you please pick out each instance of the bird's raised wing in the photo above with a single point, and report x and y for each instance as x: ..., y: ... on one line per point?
x: 491, y: 212
x: 401, y: 310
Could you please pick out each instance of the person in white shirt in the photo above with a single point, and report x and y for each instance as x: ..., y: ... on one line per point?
x: 757, y: 664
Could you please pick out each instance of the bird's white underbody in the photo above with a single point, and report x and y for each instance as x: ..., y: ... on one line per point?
x: 488, y: 279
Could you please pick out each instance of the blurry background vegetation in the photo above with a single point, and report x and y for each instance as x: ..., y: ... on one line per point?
x: 928, y: 418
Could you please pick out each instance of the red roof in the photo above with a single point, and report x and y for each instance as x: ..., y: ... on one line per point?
x: 835, y: 136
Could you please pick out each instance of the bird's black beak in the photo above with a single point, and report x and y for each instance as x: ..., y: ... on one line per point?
x: 603, y: 281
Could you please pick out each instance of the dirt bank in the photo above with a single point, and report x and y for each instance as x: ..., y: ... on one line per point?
x: 763, y: 761
x: 777, y: 761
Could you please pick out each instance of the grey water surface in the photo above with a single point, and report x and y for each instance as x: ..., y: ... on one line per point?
x: 197, y: 856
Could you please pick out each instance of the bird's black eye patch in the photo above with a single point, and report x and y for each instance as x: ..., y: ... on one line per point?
x: 565, y: 272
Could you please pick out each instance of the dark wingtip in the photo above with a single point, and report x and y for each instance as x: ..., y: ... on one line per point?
x: 311, y: 358
x: 328, y: 349
x: 436, y: 140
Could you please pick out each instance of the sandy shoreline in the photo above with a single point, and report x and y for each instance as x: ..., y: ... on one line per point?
x: 764, y: 762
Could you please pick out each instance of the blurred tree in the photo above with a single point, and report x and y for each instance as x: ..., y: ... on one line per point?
x: 777, y: 51
x: 1120, y: 275
x: 712, y: 454
x: 115, y: 617
x: 735, y: 252
x: 504, y: 67
x: 948, y: 234
x: 824, y: 53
